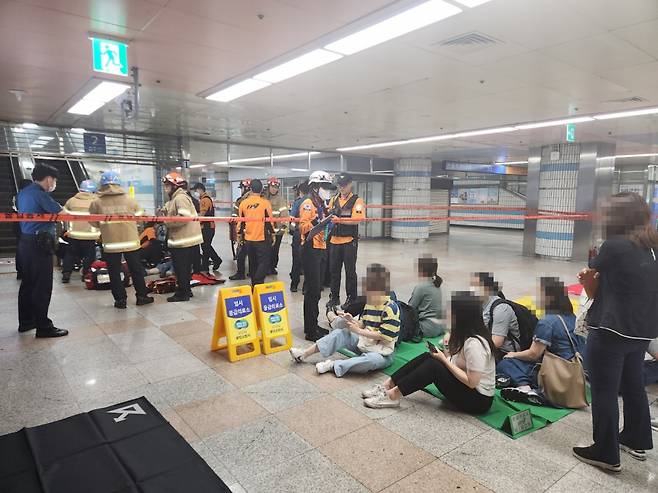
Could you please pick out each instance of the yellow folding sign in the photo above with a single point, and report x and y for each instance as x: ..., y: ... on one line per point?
x: 235, y: 323
x: 272, y: 316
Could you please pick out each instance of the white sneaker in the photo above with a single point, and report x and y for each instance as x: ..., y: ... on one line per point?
x: 381, y: 401
x: 296, y: 354
x: 640, y: 455
x: 373, y: 392
x: 324, y: 366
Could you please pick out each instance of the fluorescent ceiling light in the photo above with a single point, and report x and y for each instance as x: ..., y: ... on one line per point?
x: 621, y: 156
x: 238, y: 90
x: 554, y: 123
x: 415, y: 18
x: 625, y: 114
x: 373, y: 146
x: 197, y: 166
x: 18, y: 130
x: 77, y: 153
x: 472, y: 3
x: 30, y: 125
x: 510, y: 163
x: 36, y: 146
x: 260, y: 159
x: 299, y: 65
x: 487, y: 131
x: 47, y: 138
x: 78, y: 130
x: 97, y: 97
x: 303, y: 170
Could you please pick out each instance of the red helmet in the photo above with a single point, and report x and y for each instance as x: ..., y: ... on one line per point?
x: 273, y: 182
x: 246, y: 184
x: 175, y: 179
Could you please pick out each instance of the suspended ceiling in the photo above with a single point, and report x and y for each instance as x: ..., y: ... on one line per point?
x: 548, y: 59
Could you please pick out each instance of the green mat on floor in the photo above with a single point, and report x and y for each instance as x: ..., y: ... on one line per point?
x: 500, y: 409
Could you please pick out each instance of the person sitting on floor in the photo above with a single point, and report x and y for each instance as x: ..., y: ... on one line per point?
x: 554, y: 333
x: 465, y: 372
x: 502, y: 322
x: 651, y: 364
x: 427, y: 298
x: 372, y: 337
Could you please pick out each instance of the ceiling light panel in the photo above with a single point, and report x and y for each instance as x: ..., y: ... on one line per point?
x: 472, y: 3
x: 415, y: 18
x: 554, y: 123
x: 299, y: 65
x: 97, y: 97
x: 626, y: 114
x: 30, y: 125
x: 238, y: 90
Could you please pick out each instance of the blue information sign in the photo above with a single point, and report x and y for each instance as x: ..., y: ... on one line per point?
x: 94, y: 143
x: 238, y: 307
x: 272, y: 302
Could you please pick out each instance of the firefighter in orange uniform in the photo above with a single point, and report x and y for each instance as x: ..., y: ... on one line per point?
x: 344, y: 240
x: 313, y: 228
x: 257, y: 233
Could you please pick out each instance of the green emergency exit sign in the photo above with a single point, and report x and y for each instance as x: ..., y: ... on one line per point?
x: 571, y: 132
x: 110, y: 57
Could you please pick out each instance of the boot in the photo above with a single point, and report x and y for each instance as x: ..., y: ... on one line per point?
x: 144, y: 300
x: 178, y: 297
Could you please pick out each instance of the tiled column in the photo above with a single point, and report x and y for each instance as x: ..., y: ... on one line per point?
x: 411, y: 186
x: 218, y: 182
x: 565, y: 178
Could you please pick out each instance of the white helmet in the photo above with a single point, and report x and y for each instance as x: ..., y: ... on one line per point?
x: 321, y: 177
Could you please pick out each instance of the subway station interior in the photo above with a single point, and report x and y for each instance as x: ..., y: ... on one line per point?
x: 261, y: 246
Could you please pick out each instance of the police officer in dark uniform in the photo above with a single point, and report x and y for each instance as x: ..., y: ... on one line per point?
x: 37, y: 246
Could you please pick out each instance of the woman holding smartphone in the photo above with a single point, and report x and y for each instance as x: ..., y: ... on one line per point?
x: 465, y: 372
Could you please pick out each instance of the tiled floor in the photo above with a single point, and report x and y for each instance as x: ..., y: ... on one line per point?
x: 266, y: 424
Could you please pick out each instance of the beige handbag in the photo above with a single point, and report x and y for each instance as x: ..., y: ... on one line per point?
x: 563, y: 381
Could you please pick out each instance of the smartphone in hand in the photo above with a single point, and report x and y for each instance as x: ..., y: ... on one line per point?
x: 432, y: 347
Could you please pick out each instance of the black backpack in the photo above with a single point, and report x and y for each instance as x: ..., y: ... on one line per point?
x: 409, y: 325
x: 527, y: 323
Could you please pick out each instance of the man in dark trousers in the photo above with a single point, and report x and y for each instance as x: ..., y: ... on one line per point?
x: 37, y: 246
x: 241, y: 251
x: 207, y: 209
x: 296, y: 271
x: 258, y: 234
x: 344, y: 240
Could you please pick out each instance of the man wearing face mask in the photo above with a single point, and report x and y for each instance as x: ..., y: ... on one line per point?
x: 207, y: 208
x: 37, y: 246
x: 184, y: 237
x: 313, y: 223
x: 279, y: 210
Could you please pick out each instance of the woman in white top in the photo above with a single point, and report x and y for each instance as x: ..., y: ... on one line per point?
x: 465, y: 373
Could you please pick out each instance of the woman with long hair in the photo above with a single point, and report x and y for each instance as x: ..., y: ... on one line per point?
x: 427, y: 298
x: 465, y: 372
x: 554, y: 333
x: 622, y: 321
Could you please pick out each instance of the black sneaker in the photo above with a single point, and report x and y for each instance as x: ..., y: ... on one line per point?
x: 178, y: 298
x: 26, y: 328
x: 66, y: 278
x: 144, y: 300
x: 216, y: 265
x: 640, y: 455
x: 585, y: 454
x: 120, y: 304
x: 52, y: 332
x: 237, y: 277
x: 516, y: 395
x: 293, y: 288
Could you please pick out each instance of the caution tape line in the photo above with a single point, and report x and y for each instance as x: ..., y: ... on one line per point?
x: 22, y: 217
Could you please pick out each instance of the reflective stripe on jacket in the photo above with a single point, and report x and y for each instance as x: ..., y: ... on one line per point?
x: 79, y: 205
x: 182, y: 234
x: 116, y: 236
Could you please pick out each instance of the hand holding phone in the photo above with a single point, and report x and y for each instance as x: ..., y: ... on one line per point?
x: 432, y: 347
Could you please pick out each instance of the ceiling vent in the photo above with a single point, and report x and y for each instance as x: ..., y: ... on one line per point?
x: 469, y: 42
x: 632, y: 99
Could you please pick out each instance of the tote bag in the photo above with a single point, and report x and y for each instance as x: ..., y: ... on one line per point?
x: 563, y: 381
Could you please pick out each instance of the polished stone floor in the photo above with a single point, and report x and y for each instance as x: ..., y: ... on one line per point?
x: 265, y: 424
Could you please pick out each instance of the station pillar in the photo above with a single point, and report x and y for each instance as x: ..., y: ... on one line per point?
x: 411, y: 186
x: 222, y: 187
x: 563, y: 179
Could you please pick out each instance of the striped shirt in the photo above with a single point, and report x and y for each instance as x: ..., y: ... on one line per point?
x: 384, y: 318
